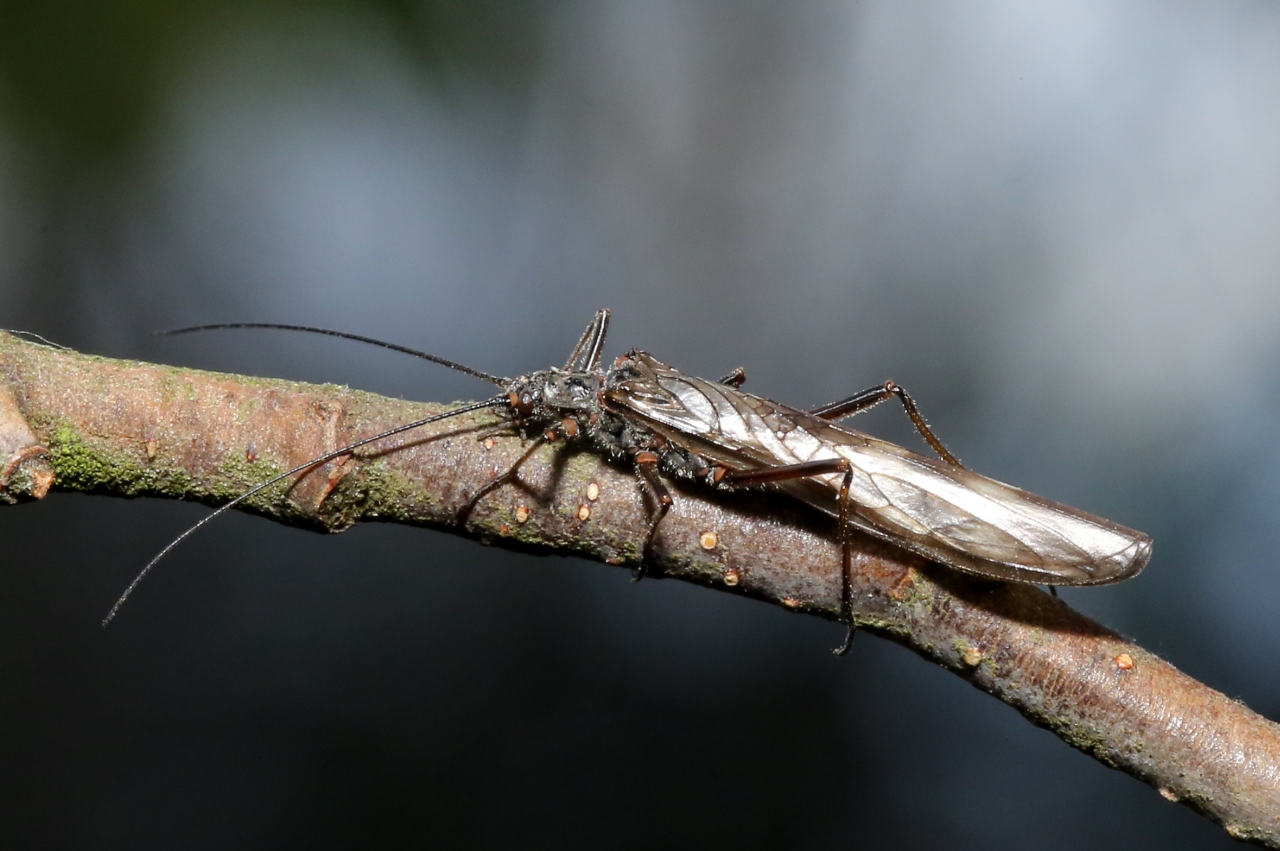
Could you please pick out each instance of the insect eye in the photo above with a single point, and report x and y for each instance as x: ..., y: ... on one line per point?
x: 522, y: 403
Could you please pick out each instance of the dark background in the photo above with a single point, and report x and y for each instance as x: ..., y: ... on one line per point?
x: 1056, y: 223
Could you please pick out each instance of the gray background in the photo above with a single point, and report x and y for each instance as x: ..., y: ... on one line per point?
x: 1056, y: 223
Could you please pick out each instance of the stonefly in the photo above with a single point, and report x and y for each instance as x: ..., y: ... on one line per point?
x: 665, y: 423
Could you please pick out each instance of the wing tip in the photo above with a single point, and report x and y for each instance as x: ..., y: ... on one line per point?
x: 1125, y: 564
x: 1141, y: 555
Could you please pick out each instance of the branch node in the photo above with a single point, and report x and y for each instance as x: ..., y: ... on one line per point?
x: 27, y: 472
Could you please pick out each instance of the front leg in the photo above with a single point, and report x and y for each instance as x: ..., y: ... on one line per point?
x: 565, y: 429
x: 646, y: 468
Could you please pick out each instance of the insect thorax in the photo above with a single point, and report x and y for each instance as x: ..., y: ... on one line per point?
x: 547, y: 399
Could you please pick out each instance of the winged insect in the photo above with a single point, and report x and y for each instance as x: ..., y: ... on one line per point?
x: 667, y: 424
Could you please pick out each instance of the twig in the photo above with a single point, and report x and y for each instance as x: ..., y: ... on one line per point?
x: 85, y: 423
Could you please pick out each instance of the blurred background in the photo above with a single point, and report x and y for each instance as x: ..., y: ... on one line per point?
x: 1056, y: 223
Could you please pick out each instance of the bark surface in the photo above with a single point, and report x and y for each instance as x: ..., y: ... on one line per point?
x: 70, y: 421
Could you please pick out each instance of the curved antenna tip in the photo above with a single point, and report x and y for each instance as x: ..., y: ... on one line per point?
x: 495, y: 402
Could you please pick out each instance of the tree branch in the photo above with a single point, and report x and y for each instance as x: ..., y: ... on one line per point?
x: 76, y: 422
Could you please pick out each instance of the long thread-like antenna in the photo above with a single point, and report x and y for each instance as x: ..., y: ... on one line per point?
x: 31, y: 335
x: 483, y: 376
x: 496, y: 402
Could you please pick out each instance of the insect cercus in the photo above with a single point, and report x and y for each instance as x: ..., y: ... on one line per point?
x: 665, y: 423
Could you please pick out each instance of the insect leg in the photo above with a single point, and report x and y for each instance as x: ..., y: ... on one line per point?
x: 586, y: 355
x: 647, y: 469
x: 503, y: 478
x: 591, y: 361
x: 874, y: 396
x: 846, y: 564
x: 802, y: 471
x: 566, y: 428
x: 576, y: 354
x: 735, y: 378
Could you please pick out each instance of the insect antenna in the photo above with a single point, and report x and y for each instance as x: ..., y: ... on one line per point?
x: 483, y: 376
x: 495, y: 402
x: 31, y: 335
